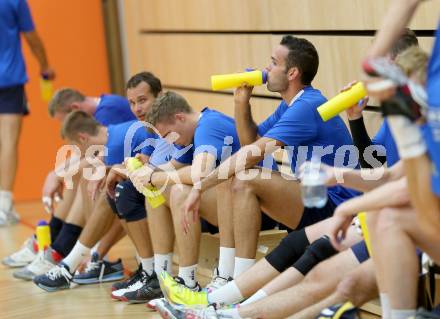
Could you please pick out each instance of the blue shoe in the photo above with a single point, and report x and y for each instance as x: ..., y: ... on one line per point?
x: 100, y: 271
x: 58, y: 278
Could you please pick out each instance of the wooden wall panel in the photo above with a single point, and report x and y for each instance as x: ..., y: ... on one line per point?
x: 189, y: 60
x: 273, y: 15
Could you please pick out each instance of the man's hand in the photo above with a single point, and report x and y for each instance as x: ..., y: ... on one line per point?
x: 191, y: 209
x: 143, y: 158
x: 117, y: 174
x: 242, y: 95
x: 47, y: 73
x: 141, y: 177
x: 329, y: 171
x: 355, y: 111
x: 95, y: 187
x: 338, y: 229
x: 52, y: 191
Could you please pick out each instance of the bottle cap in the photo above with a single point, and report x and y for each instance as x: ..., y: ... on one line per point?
x: 42, y: 223
x: 264, y: 76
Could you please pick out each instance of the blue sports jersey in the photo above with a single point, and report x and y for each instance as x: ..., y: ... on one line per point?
x: 432, y: 131
x: 15, y: 17
x: 130, y: 138
x: 385, y: 138
x: 113, y: 109
x: 300, y: 128
x: 216, y: 134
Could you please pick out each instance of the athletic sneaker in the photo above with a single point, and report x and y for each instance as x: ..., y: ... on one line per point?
x: 8, y: 218
x: 340, y: 311
x: 23, y: 257
x: 117, y: 294
x: 167, y: 310
x: 58, y: 278
x: 175, y: 290
x: 136, y: 276
x: 100, y: 271
x: 152, y: 304
x: 217, y: 281
x: 149, y: 290
x: 42, y: 264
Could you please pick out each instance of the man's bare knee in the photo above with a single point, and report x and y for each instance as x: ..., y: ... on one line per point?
x: 240, y: 186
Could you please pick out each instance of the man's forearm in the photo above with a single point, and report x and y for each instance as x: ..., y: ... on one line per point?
x: 246, y: 128
x: 354, y: 179
x: 37, y: 48
x: 396, y: 19
x: 388, y: 195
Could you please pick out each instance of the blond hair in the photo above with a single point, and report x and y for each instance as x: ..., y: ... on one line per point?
x: 79, y: 122
x: 164, y: 107
x: 414, y: 62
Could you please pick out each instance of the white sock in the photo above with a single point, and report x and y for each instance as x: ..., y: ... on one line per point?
x: 163, y: 263
x: 188, y: 274
x: 385, y: 305
x: 229, y: 313
x: 260, y: 294
x: 5, y: 201
x: 226, y: 262
x: 241, y: 265
x: 228, y: 294
x: 148, y: 265
x: 75, y: 257
x: 402, y: 313
x: 407, y: 135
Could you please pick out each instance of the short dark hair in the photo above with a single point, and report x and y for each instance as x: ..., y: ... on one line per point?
x: 406, y: 40
x: 303, y: 55
x: 147, y: 77
x: 79, y: 122
x: 164, y: 107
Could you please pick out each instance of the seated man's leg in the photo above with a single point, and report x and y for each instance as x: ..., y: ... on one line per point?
x: 358, y: 287
x: 264, y: 275
x: 401, y: 234
x: 280, y: 199
x: 319, y: 283
x: 111, y: 238
x: 130, y: 204
x: 160, y: 223
x: 188, y: 243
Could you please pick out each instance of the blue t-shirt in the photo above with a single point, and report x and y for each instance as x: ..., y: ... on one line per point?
x: 385, y: 138
x: 300, y: 128
x: 15, y: 17
x: 130, y: 138
x: 113, y: 109
x: 216, y: 134
x: 432, y: 131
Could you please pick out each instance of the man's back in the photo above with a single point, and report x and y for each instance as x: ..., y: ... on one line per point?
x: 15, y: 17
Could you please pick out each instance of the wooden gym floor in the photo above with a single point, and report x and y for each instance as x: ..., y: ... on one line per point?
x: 21, y: 299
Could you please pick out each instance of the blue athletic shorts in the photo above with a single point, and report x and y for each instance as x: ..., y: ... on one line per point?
x: 13, y: 100
x: 360, y: 251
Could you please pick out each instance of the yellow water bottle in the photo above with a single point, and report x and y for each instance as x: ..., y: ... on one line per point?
x: 153, y: 196
x: 342, y: 101
x: 43, y: 235
x: 228, y: 81
x: 46, y: 88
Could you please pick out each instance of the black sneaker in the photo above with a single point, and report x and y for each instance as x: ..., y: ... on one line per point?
x: 58, y: 278
x: 100, y: 271
x: 130, y: 281
x: 149, y: 290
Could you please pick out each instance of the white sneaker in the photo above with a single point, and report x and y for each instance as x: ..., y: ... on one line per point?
x: 217, y: 281
x: 8, y: 218
x: 42, y: 264
x: 24, y: 256
x: 152, y: 304
x: 117, y: 294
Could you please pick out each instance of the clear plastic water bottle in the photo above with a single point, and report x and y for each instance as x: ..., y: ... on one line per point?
x: 313, y: 187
